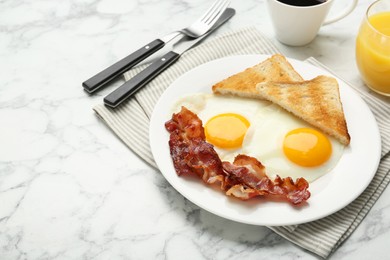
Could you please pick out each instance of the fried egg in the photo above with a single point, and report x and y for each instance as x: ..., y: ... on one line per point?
x: 283, y: 143
x: 288, y: 146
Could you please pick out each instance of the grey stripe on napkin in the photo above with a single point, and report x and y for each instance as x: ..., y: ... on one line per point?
x: 131, y: 122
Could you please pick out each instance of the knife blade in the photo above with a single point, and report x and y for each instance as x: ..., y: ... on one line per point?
x: 130, y: 87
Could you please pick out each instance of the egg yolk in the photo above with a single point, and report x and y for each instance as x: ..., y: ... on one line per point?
x: 226, y: 130
x: 307, y: 147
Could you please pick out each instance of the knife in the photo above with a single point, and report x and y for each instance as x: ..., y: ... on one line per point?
x: 141, y: 79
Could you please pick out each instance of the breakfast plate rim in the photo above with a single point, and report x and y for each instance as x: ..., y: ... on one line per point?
x: 256, y: 212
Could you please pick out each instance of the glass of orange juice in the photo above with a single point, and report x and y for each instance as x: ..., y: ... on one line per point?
x: 373, y: 47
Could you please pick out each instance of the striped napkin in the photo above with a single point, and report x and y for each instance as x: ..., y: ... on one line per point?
x: 130, y: 122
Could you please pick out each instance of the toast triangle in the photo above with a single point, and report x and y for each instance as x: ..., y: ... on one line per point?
x: 316, y: 101
x: 275, y: 68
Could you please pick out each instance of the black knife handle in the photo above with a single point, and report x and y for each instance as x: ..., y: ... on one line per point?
x: 141, y: 79
x: 107, y: 75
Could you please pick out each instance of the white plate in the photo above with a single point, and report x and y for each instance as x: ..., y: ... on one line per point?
x: 329, y: 194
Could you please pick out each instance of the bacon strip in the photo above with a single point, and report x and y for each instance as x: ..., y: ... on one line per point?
x: 189, y: 150
x: 250, y: 171
x: 245, y: 178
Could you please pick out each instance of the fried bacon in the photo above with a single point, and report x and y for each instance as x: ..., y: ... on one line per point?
x: 189, y: 150
x: 251, y: 172
x: 245, y: 178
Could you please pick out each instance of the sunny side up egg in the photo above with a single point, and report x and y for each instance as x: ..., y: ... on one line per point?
x: 283, y: 143
x: 288, y: 146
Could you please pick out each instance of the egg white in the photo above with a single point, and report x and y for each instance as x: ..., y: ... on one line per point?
x: 264, y: 139
x: 265, y: 142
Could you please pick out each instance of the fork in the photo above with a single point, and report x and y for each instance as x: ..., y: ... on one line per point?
x: 195, y: 30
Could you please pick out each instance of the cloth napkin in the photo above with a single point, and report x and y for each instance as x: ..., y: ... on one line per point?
x: 130, y: 123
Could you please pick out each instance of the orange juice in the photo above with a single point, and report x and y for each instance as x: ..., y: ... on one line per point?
x: 373, y: 52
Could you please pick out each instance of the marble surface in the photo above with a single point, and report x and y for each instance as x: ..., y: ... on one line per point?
x: 70, y: 189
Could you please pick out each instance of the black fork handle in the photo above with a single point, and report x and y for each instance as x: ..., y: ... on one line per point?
x: 118, y: 68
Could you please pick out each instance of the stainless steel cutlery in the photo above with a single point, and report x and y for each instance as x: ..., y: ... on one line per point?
x: 197, y: 29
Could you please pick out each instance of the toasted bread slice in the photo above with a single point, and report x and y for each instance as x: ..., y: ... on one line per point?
x: 316, y: 101
x: 275, y: 68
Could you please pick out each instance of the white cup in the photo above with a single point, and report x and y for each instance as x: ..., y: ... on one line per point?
x: 299, y: 25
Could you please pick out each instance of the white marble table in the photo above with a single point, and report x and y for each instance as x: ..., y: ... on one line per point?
x: 70, y: 189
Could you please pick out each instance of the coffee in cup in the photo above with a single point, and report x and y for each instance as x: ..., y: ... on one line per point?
x: 302, y: 2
